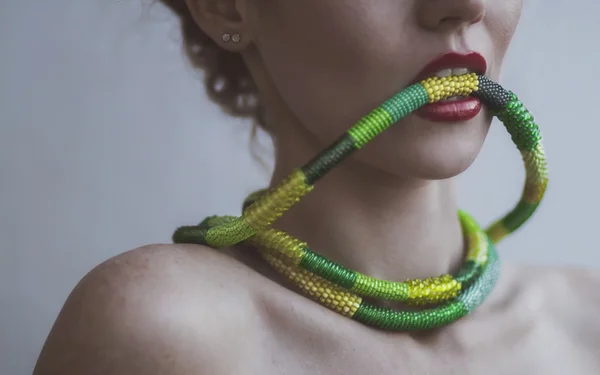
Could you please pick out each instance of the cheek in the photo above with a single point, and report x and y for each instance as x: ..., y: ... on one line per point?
x: 331, y: 60
x: 501, y: 20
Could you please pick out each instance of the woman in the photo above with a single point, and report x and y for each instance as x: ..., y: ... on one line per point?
x: 388, y: 211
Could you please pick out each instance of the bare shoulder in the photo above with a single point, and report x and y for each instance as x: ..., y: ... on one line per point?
x: 156, y: 309
x: 569, y: 297
x: 564, y: 285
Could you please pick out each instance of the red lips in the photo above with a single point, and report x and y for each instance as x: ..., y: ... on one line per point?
x: 456, y: 110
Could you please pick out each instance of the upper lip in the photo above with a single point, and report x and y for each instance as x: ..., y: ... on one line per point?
x: 473, y: 61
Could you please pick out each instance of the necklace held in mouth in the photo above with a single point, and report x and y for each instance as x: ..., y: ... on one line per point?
x: 444, y: 299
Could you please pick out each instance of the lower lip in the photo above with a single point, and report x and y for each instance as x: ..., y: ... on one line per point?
x: 451, y: 111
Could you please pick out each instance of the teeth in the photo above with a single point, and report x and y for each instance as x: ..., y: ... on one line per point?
x: 453, y: 71
x: 444, y: 73
x: 452, y: 99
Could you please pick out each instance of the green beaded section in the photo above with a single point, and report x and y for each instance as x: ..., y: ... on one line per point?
x: 384, y: 318
x: 482, y: 287
x: 516, y: 118
x: 389, y: 319
x: 406, y: 101
x: 224, y: 234
x: 520, y: 124
x: 519, y: 215
x: 326, y: 160
x: 526, y: 135
x: 197, y: 234
x: 387, y: 290
x: 370, y: 126
x: 390, y: 112
x: 479, y: 273
x: 469, y: 271
x: 328, y: 270
x: 190, y: 234
x: 412, y: 291
x: 215, y: 221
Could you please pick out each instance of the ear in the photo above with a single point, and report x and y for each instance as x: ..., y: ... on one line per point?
x: 225, y: 21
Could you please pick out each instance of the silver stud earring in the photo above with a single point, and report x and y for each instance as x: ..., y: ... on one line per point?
x: 235, y: 38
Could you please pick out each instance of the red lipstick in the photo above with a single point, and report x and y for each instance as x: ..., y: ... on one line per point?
x: 452, y: 110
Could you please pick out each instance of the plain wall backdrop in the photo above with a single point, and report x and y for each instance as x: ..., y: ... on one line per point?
x: 107, y: 142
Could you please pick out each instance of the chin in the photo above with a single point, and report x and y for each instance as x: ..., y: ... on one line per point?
x: 442, y: 166
x: 426, y: 165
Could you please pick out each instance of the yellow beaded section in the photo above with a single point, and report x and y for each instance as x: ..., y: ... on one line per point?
x: 497, y: 231
x: 318, y: 289
x: 537, y: 180
x: 439, y: 88
x: 366, y: 285
x: 413, y: 292
x: 275, y: 202
x: 432, y: 290
x: 477, y: 243
x: 275, y: 241
x: 478, y: 248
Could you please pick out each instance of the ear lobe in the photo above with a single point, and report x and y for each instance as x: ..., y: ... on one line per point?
x: 223, y: 21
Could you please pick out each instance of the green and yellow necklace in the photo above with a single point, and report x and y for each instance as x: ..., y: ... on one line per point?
x: 444, y: 299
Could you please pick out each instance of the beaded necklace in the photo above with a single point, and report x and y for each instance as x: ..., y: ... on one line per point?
x: 445, y: 298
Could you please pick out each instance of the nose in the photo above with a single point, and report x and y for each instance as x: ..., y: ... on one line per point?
x: 444, y: 15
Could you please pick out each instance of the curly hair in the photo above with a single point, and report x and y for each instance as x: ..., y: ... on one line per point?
x: 226, y: 77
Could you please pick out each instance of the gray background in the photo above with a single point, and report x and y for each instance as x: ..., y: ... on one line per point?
x: 107, y: 142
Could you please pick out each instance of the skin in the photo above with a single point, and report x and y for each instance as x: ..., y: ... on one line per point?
x: 182, y: 309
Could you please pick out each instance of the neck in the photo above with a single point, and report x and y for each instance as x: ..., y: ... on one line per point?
x: 372, y: 222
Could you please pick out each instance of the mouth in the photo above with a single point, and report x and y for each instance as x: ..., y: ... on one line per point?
x: 453, y: 63
x: 458, y: 108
